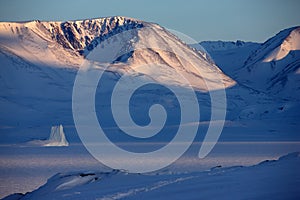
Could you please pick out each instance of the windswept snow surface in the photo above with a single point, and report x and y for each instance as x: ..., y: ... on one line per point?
x: 39, y: 62
x: 271, y: 179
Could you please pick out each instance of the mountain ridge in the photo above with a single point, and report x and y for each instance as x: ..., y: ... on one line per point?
x: 78, y: 35
x: 270, y: 67
x: 274, y: 66
x: 136, y: 53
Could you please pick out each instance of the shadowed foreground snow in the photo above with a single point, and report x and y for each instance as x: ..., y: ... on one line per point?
x: 276, y: 179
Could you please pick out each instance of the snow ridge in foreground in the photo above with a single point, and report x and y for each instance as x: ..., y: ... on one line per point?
x: 276, y: 179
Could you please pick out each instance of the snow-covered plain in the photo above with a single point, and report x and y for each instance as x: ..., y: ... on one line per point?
x: 39, y: 62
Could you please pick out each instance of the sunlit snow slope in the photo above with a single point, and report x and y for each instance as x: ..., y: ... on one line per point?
x: 39, y: 62
x: 274, y: 66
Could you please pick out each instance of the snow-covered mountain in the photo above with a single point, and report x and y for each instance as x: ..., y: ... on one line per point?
x: 224, y: 45
x: 271, y: 67
x: 270, y: 70
x: 229, y: 56
x: 274, y: 66
x: 39, y: 62
x: 50, y: 42
x: 38, y: 56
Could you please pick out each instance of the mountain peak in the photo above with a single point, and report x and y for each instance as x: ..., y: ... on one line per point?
x: 290, y: 43
x: 277, y: 47
x: 274, y: 66
x: 84, y: 35
x: 99, y: 40
x: 79, y: 35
